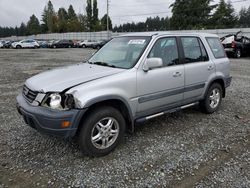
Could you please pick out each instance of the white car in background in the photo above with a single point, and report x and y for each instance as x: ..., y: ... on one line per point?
x: 1, y: 44
x: 27, y: 43
x: 87, y: 43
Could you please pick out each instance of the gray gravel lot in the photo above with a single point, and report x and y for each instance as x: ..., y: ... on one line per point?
x: 184, y: 149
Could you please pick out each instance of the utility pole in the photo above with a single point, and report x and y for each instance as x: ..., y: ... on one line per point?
x: 108, y: 18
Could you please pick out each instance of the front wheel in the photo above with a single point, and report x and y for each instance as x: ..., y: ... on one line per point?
x: 101, y: 131
x: 212, y: 100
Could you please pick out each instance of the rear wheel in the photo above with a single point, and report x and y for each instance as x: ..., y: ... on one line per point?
x: 213, y: 99
x: 101, y: 131
x: 18, y: 47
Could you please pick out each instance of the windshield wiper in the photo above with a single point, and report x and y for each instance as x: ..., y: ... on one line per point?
x: 102, y: 64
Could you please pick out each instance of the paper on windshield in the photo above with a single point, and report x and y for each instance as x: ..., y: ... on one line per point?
x: 137, y: 41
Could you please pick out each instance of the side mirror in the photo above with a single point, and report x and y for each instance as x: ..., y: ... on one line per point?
x: 152, y: 63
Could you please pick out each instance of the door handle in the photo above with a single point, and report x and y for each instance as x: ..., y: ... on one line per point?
x: 177, y: 74
x: 210, y: 67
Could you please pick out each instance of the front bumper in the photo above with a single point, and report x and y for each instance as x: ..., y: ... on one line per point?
x: 49, y: 121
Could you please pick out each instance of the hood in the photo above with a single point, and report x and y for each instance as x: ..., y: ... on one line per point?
x: 60, y: 79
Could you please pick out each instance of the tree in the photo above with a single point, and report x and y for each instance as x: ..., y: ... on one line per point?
x: 244, y: 17
x: 73, y: 24
x: 71, y: 13
x: 224, y: 16
x: 192, y: 14
x: 83, y: 22
x: 89, y: 15
x: 44, y: 25
x: 151, y: 24
x: 95, y: 19
x: 22, y: 29
x: 62, y: 20
x: 33, y: 26
x: 49, y: 18
x: 104, y: 22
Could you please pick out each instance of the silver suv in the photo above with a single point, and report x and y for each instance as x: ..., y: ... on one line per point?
x: 132, y: 79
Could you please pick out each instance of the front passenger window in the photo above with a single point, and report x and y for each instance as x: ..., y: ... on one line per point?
x: 166, y: 49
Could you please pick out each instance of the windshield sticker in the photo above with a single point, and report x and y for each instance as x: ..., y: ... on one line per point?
x: 138, y: 41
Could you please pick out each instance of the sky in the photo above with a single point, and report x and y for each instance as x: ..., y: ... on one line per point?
x: 14, y: 12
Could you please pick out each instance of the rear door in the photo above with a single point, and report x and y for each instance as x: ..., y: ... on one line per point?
x: 197, y: 67
x: 161, y: 88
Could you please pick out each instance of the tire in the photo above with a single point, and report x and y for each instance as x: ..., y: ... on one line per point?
x: 36, y: 47
x: 238, y: 53
x: 84, y: 46
x: 212, y: 100
x: 69, y: 46
x: 91, y: 128
x: 54, y: 46
x: 18, y: 47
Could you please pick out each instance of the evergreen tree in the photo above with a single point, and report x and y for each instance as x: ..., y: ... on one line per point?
x: 89, y: 15
x: 71, y: 13
x: 191, y: 14
x: 96, y: 23
x: 62, y: 20
x: 44, y: 25
x: 244, y: 17
x: 224, y: 16
x: 49, y: 18
x: 33, y: 26
x: 104, y: 22
x: 73, y: 23
x: 22, y: 29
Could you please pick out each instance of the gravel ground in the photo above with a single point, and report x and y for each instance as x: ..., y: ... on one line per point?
x: 183, y: 149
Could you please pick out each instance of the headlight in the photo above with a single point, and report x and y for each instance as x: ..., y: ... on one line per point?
x: 59, y: 101
x: 55, y: 101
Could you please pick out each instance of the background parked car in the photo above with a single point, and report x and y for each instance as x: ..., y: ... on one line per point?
x: 100, y: 44
x: 236, y: 44
x: 27, y: 43
x: 43, y: 44
x: 87, y: 43
x: 2, y: 42
x: 62, y: 44
x: 8, y: 44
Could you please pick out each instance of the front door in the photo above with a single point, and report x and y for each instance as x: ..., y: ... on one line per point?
x: 161, y: 88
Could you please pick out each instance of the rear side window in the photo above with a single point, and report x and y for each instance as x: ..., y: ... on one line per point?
x: 194, y: 50
x: 216, y: 47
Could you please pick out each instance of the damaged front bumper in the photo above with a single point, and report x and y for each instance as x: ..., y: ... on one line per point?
x: 50, y: 121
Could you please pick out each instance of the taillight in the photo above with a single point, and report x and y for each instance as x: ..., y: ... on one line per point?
x: 233, y: 44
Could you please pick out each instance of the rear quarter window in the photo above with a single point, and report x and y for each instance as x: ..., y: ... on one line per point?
x: 216, y: 47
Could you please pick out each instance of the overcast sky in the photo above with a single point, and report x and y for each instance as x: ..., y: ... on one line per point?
x: 13, y: 12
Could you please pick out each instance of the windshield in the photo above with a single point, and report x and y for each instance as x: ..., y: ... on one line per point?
x: 122, y: 52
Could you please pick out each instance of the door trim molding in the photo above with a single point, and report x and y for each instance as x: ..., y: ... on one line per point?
x: 169, y: 93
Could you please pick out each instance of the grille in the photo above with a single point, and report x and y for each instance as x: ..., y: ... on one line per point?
x: 28, y: 94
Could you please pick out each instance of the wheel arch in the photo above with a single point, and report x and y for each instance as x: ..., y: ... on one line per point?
x: 116, y: 102
x: 220, y: 81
